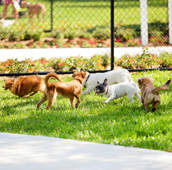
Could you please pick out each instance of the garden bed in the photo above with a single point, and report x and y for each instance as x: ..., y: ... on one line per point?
x: 49, y: 42
x: 96, y: 62
x: 82, y: 36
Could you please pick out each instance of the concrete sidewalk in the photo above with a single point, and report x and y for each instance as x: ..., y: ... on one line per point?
x: 26, y: 152
x: 22, y: 54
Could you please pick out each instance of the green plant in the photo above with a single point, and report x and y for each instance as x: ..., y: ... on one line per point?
x: 105, y: 60
x: 166, y: 59
x: 158, y: 28
x: 102, y: 33
x: 57, y: 64
x: 37, y: 36
x: 157, y: 40
x: 145, y: 60
x: 124, y: 34
x: 71, y: 34
x: 28, y: 35
x: 15, y: 66
x: 56, y: 34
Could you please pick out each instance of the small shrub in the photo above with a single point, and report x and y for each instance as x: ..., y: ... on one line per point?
x: 125, y: 34
x: 28, y: 35
x: 37, y: 36
x: 166, y: 59
x: 57, y: 34
x: 57, y: 64
x: 145, y: 60
x: 16, y: 36
x: 157, y: 40
x: 1, y: 46
x: 102, y: 33
x: 105, y: 60
x: 70, y: 34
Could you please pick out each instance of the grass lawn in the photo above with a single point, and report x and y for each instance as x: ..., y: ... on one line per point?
x: 94, y: 13
x: 118, y: 122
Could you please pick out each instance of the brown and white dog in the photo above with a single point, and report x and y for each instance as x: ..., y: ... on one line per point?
x: 25, y: 85
x: 34, y: 9
x: 69, y: 90
x: 149, y: 93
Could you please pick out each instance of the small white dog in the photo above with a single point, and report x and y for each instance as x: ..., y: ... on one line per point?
x: 116, y: 91
x: 114, y: 77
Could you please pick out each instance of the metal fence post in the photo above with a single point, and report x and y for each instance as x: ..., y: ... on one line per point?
x: 51, y: 5
x: 112, y: 34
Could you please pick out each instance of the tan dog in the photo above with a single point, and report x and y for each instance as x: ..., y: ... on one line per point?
x: 69, y: 90
x: 25, y: 85
x: 149, y: 93
x: 34, y: 9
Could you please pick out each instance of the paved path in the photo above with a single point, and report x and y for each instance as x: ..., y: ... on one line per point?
x: 26, y: 152
x: 22, y: 54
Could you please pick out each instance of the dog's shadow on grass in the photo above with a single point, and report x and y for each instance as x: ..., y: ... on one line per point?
x: 14, y: 102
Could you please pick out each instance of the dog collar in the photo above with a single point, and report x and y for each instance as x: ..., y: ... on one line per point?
x: 86, y: 80
x: 27, y: 5
x: 106, y: 90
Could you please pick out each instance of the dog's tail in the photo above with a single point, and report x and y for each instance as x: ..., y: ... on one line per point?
x: 47, y: 77
x: 163, y: 87
x: 136, y: 86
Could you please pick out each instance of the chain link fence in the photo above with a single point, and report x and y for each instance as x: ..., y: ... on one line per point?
x: 65, y: 28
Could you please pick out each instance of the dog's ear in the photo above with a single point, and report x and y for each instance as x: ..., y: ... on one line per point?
x: 151, y: 79
x: 74, y: 74
x: 78, y: 70
x: 139, y: 81
x: 98, y: 82
x: 84, y: 74
x: 105, y: 82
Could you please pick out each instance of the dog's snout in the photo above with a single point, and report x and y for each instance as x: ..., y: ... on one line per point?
x: 97, y: 90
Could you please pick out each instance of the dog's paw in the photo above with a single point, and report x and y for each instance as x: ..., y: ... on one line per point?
x: 76, y: 105
x: 153, y: 110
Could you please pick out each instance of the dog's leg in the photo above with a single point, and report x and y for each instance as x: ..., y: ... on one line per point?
x: 110, y: 98
x: 138, y: 96
x: 44, y: 98
x: 87, y: 91
x: 146, y: 107
x: 38, y: 16
x: 155, y: 105
x: 51, y: 100
x: 43, y: 13
x: 130, y: 97
x: 33, y: 93
x: 72, y: 102
x: 78, y: 101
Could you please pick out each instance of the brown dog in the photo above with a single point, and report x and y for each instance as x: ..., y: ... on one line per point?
x: 69, y: 90
x: 149, y: 93
x: 34, y: 9
x: 25, y: 85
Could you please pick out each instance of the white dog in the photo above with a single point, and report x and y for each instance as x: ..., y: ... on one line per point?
x: 118, y: 90
x: 114, y: 77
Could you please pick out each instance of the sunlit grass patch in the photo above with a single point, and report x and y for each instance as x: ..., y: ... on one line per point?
x: 119, y: 122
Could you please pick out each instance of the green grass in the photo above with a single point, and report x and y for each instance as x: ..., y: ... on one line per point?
x: 95, y: 13
x: 118, y: 122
